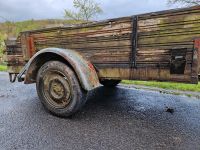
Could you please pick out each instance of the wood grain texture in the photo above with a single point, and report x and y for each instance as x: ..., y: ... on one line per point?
x: 108, y: 44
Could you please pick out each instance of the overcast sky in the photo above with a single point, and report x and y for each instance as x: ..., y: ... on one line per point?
x: 18, y: 10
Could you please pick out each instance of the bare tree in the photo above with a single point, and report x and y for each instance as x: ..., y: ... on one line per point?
x: 86, y: 10
x: 185, y: 2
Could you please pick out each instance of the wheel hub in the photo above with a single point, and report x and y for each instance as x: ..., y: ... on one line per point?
x: 57, y: 89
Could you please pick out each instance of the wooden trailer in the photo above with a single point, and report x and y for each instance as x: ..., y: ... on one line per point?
x: 162, y: 46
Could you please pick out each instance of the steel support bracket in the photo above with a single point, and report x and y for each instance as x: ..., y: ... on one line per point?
x: 13, y: 77
x: 134, y: 41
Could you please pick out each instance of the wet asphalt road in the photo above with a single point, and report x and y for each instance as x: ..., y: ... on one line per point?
x: 115, y: 119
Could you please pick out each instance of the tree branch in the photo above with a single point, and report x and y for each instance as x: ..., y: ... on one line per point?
x: 185, y: 2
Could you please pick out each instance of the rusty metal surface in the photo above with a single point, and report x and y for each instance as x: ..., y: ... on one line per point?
x: 125, y: 48
x: 197, y: 46
x: 84, y: 69
x: 197, y: 43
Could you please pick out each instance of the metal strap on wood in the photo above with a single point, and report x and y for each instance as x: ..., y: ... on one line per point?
x: 134, y: 40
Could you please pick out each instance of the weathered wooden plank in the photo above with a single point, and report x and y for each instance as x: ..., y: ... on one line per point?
x: 142, y: 74
x: 167, y: 13
x: 108, y: 44
x: 168, y: 39
x: 183, y: 21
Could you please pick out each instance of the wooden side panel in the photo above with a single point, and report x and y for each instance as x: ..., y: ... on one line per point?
x: 163, y: 39
x: 159, y: 34
x: 14, y: 55
x: 162, y: 34
x: 102, y: 43
x: 108, y: 44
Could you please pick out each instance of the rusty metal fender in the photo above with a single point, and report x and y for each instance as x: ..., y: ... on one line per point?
x: 84, y: 70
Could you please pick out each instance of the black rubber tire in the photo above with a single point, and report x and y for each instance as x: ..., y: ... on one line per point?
x: 110, y: 83
x: 76, y: 96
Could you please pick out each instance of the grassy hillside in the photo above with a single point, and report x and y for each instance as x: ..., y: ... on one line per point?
x: 12, y: 29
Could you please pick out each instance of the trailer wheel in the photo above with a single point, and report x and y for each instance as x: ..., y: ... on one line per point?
x: 59, y: 90
x: 110, y: 83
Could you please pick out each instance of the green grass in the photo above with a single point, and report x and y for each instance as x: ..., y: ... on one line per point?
x: 166, y: 85
x: 3, y: 68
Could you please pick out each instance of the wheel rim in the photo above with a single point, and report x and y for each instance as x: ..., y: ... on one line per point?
x: 56, y: 89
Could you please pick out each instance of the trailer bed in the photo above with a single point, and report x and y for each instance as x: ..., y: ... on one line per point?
x: 159, y: 46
